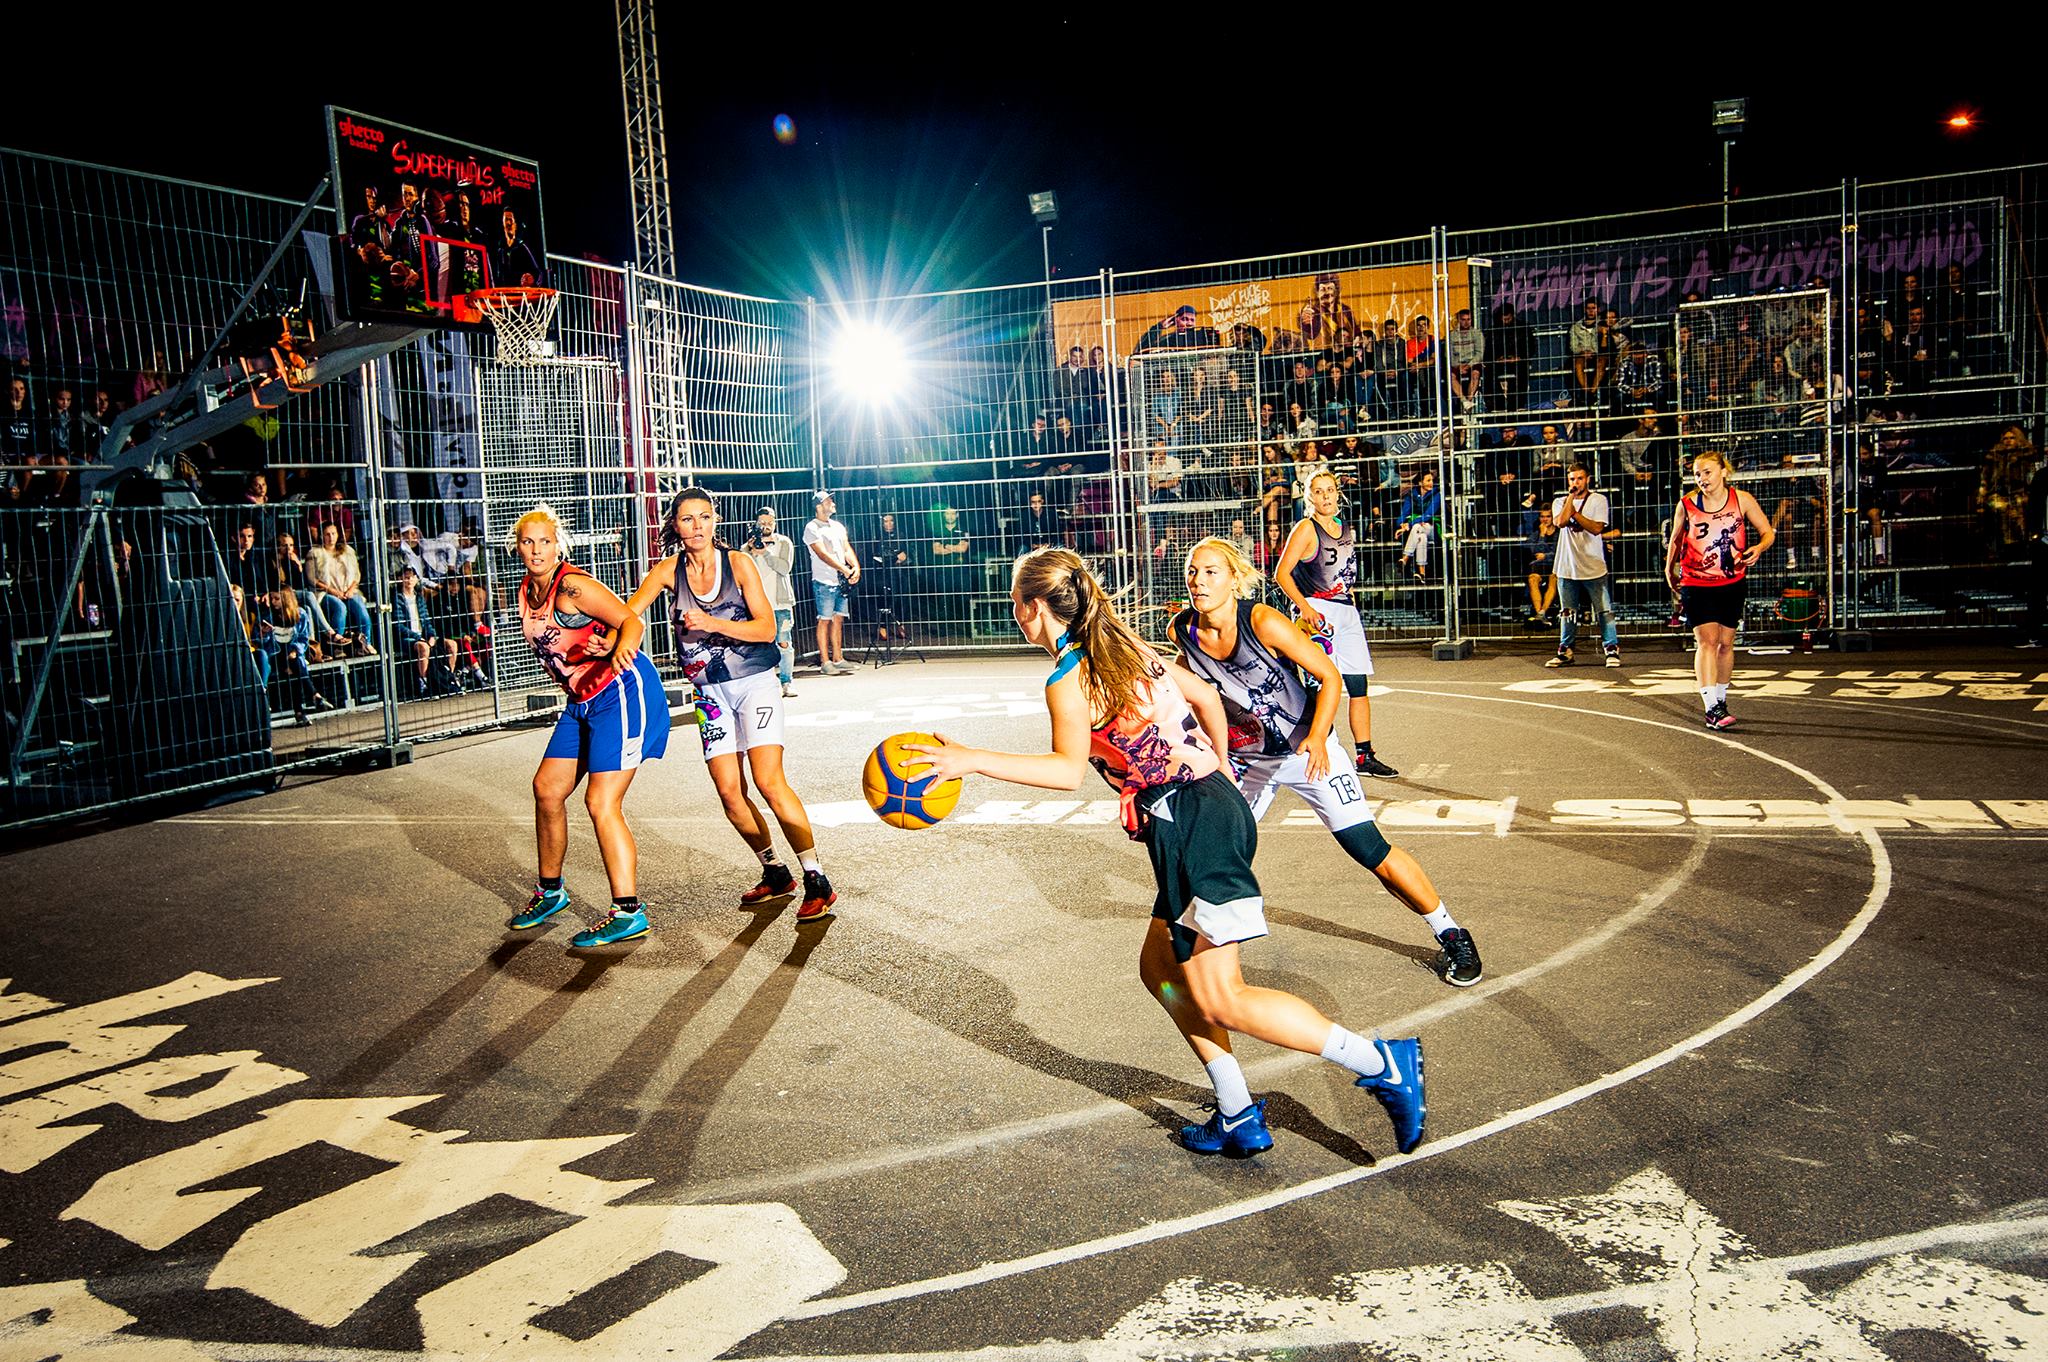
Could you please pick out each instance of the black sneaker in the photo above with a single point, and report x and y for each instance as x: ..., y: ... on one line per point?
x: 1458, y: 962
x: 776, y: 881
x: 1370, y: 765
x: 1719, y: 717
x: 1563, y: 658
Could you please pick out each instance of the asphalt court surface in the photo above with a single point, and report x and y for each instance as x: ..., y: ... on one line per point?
x: 1753, y: 1073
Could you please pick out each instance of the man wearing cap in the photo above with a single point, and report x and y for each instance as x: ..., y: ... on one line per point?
x: 833, y: 569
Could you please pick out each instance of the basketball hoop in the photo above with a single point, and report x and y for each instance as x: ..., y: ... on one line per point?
x: 521, y: 316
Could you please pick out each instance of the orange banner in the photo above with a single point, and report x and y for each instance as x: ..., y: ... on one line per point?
x: 1294, y: 312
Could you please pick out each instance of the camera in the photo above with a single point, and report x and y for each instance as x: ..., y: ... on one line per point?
x: 755, y: 539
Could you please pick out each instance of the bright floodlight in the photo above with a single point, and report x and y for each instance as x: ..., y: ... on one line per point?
x: 868, y: 363
x: 1962, y: 120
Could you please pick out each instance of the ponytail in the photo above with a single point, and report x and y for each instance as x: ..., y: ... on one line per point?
x: 1118, y: 660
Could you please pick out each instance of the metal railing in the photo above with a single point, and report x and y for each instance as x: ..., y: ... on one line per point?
x: 147, y: 652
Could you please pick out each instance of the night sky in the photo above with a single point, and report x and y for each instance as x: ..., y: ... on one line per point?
x: 916, y: 147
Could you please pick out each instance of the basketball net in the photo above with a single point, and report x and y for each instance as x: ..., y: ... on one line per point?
x: 521, y: 317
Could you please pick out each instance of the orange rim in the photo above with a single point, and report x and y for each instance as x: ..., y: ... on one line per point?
x: 487, y: 298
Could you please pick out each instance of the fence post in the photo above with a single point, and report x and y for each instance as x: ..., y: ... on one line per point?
x: 1112, y: 382
x: 1852, y: 638
x: 377, y: 512
x: 1453, y: 646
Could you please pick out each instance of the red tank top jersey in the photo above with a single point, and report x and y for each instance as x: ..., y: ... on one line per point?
x: 1155, y: 740
x: 574, y: 648
x: 1711, y: 552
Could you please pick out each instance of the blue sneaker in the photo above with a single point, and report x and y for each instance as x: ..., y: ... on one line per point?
x: 1399, y: 1090
x: 544, y: 904
x: 1234, y: 1137
x: 620, y: 924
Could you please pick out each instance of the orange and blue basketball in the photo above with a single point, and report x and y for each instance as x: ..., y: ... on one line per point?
x: 898, y: 800
x: 1319, y: 633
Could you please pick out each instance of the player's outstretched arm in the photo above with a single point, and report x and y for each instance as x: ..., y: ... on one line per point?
x: 1063, y: 768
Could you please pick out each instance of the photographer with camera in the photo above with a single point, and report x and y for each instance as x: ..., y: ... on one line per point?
x: 775, y: 555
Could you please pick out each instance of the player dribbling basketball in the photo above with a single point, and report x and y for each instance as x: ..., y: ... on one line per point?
x: 1154, y: 730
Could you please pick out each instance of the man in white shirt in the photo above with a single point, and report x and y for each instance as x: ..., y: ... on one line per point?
x: 775, y: 556
x: 1582, y: 517
x: 833, y: 569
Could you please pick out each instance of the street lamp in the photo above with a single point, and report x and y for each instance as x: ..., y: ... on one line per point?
x: 1728, y: 119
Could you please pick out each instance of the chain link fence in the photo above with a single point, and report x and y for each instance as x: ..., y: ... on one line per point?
x: 327, y: 579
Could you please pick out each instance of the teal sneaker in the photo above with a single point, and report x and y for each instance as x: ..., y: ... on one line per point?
x: 1399, y: 1089
x: 544, y: 904
x: 620, y: 924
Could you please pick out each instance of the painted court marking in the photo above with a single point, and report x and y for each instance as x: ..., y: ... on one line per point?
x: 1880, y: 890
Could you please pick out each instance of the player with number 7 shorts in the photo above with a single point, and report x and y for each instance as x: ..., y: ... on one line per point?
x: 725, y: 640
x: 1280, y: 734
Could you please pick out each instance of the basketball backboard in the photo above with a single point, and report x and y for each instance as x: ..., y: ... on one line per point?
x: 425, y: 220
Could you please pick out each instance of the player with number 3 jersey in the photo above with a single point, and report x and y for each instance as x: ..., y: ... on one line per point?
x: 1317, y: 571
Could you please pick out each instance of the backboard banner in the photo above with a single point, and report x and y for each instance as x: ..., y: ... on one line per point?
x: 426, y: 219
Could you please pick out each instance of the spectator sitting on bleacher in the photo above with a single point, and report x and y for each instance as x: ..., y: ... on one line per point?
x: 257, y: 655
x: 333, y: 508
x: 288, y: 570
x: 1044, y: 526
x: 1467, y: 345
x: 64, y: 430
x: 285, y: 631
x: 245, y: 565
x: 414, y: 635
x: 1640, y: 379
x: 337, y: 581
x: 1422, y: 512
x: 1512, y: 344
x: 1589, y: 361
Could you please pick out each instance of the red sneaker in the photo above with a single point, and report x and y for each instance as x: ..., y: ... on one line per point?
x: 776, y: 881
x: 818, y: 897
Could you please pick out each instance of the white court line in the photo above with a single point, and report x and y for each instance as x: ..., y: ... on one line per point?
x: 1880, y: 890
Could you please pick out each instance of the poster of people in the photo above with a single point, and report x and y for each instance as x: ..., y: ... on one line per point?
x: 426, y: 219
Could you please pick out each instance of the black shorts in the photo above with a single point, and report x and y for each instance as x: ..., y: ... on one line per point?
x: 1714, y: 604
x: 1201, y: 839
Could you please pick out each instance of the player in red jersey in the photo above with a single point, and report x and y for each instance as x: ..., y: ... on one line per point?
x: 1707, y: 562
x: 616, y: 718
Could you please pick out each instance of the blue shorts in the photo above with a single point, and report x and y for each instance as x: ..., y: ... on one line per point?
x: 616, y: 729
x: 830, y: 600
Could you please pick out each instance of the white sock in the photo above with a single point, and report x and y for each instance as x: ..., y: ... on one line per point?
x: 1354, y: 1052
x: 1706, y: 697
x: 1441, y: 920
x: 809, y: 861
x: 1232, y: 1096
x: 1721, y: 693
x: 767, y: 855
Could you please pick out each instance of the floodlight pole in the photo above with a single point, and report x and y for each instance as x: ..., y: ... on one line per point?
x: 1727, y: 154
x: 1052, y: 338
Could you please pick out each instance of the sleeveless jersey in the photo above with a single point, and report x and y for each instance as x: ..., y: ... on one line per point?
x: 1264, y: 700
x: 1711, y: 552
x: 1331, y: 570
x: 710, y: 658
x: 1154, y: 741
x: 574, y: 648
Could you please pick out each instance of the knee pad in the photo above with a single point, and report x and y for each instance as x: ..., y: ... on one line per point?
x: 1365, y: 844
x: 1354, y: 686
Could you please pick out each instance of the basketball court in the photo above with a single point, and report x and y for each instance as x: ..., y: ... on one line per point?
x: 1751, y: 1072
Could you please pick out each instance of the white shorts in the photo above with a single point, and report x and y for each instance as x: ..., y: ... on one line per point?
x: 1347, y: 636
x: 740, y: 715
x: 1338, y: 798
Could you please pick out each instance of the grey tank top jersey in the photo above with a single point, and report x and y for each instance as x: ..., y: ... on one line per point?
x: 710, y: 658
x: 1267, y: 705
x: 1331, y: 569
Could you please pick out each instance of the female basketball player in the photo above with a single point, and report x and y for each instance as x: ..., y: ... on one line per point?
x: 1320, y: 564
x: 1155, y: 730
x: 1709, y: 556
x: 617, y: 717
x: 725, y: 640
x: 1280, y: 735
